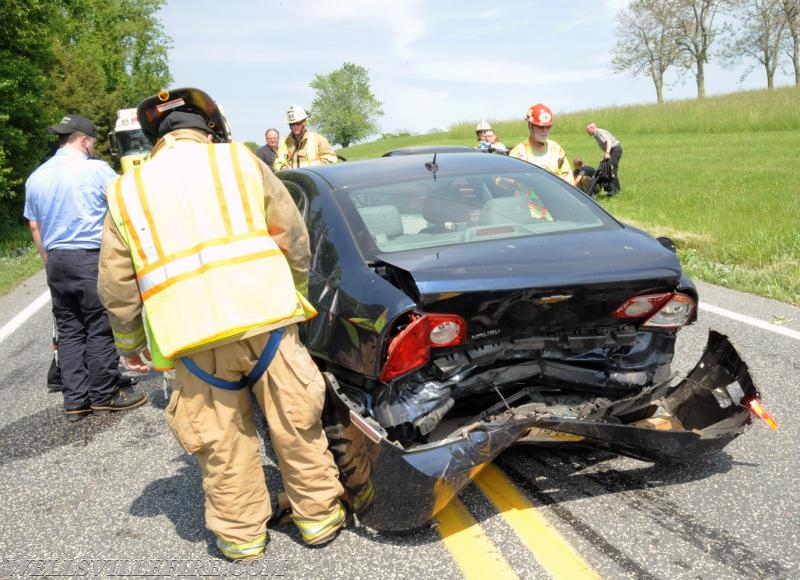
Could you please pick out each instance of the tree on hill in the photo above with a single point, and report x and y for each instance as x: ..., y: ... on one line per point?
x: 344, y: 108
x: 791, y: 11
x: 760, y: 37
x: 696, y: 28
x: 646, y: 44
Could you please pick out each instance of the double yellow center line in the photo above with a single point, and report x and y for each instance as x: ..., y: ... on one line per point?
x: 479, y: 557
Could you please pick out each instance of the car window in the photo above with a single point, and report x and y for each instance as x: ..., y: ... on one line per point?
x: 298, y: 195
x: 429, y: 212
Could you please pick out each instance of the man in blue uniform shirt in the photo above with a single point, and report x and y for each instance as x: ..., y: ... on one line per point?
x: 65, y: 204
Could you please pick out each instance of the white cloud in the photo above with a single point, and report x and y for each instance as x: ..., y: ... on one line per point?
x: 401, y: 22
x: 499, y: 74
x: 432, y: 64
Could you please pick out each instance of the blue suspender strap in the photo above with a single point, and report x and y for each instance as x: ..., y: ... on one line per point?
x: 266, y: 356
x: 211, y: 379
x: 263, y: 362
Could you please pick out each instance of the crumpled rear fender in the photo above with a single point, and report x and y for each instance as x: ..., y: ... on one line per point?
x: 696, y: 418
x: 394, y: 489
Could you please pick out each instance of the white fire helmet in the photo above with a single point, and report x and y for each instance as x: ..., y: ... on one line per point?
x: 295, y: 114
x: 483, y: 126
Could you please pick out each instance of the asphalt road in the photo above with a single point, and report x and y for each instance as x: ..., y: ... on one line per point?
x: 118, y: 488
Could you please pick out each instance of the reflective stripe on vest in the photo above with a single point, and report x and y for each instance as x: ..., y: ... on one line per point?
x: 282, y: 158
x: 218, y: 273
x: 311, y: 149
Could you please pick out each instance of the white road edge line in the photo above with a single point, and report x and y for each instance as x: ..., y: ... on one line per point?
x: 34, y: 306
x: 23, y: 316
x: 751, y: 321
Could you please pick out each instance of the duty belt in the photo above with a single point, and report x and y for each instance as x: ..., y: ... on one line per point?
x: 250, y: 378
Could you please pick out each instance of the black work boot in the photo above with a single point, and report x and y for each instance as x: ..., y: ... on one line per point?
x: 74, y: 415
x: 126, y: 398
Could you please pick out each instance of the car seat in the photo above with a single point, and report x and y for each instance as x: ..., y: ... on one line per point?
x: 444, y: 207
x: 383, y: 222
x: 504, y: 210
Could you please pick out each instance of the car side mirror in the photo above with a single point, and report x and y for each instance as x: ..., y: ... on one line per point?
x: 668, y: 243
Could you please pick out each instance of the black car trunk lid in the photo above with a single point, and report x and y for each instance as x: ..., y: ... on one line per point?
x: 544, y: 285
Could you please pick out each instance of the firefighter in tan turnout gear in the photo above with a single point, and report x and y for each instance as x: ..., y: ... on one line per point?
x: 204, y: 262
x: 302, y: 148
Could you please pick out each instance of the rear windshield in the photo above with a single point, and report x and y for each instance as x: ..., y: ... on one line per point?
x: 428, y: 213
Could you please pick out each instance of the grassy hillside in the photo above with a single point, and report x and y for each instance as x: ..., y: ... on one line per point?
x: 715, y: 175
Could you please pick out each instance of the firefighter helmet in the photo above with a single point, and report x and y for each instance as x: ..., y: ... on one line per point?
x: 483, y: 126
x: 296, y: 114
x: 540, y: 115
x: 154, y: 113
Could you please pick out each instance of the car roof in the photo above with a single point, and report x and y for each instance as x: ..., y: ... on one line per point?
x: 422, y: 149
x: 400, y: 168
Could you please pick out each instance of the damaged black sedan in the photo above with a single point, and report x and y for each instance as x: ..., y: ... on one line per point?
x: 471, y: 302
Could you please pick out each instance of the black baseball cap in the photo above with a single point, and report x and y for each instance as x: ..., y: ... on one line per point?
x: 71, y: 123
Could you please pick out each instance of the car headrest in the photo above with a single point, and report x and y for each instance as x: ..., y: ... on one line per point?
x: 382, y: 220
x: 503, y: 210
x: 446, y: 203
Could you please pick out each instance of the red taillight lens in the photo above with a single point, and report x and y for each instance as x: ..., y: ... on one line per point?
x: 642, y: 306
x: 668, y: 310
x: 408, y: 350
x: 411, y: 348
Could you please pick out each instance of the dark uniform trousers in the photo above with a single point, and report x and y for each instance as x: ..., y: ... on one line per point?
x: 614, y: 155
x: 87, y: 354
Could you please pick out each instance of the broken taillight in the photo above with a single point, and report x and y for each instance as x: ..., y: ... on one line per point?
x: 411, y: 348
x: 758, y: 409
x: 666, y: 310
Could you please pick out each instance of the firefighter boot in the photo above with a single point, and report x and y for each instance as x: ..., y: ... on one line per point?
x: 321, y: 532
x: 246, y: 551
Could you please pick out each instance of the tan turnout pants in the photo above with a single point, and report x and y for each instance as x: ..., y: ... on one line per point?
x: 217, y: 425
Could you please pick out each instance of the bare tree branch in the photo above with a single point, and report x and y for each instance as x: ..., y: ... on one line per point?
x: 760, y: 37
x: 647, y: 43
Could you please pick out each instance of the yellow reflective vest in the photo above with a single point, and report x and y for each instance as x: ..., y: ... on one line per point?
x: 206, y: 266
x: 554, y: 159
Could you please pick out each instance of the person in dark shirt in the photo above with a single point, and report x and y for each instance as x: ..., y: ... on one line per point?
x: 268, y: 152
x: 582, y: 174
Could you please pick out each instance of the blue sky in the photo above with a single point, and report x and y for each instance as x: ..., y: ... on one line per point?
x: 431, y: 63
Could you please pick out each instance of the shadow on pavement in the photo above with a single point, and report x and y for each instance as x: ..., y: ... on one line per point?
x: 179, y: 498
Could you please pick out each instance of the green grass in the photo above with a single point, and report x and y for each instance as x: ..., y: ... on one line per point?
x: 18, y: 258
x: 715, y: 175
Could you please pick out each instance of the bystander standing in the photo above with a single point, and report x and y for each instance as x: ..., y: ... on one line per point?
x: 612, y: 151
x: 65, y: 204
x: 268, y: 152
